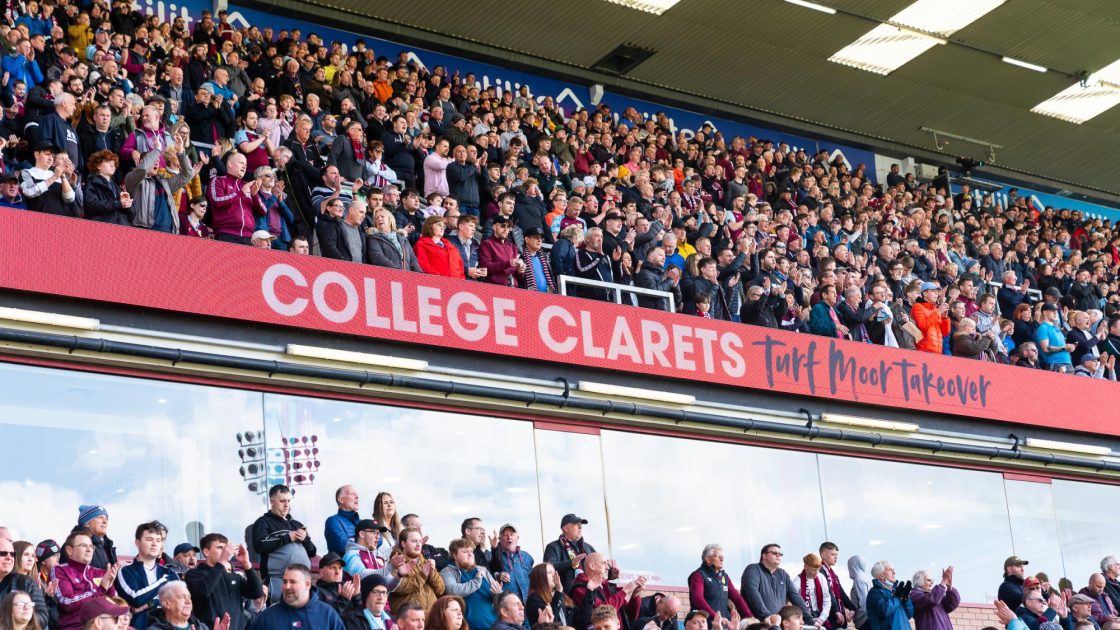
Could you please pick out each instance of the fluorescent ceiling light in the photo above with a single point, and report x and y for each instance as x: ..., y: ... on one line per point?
x: 814, y: 6
x: 634, y: 392
x: 911, y: 32
x: 1024, y: 64
x: 656, y: 7
x: 362, y: 358
x: 1055, y: 445
x: 48, y: 319
x: 870, y: 423
x: 1077, y: 104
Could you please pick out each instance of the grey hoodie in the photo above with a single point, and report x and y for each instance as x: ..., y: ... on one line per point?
x: 861, y: 584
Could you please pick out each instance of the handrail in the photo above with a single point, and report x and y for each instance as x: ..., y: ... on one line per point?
x: 617, y: 289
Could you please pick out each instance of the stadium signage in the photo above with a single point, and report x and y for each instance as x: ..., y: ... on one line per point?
x: 94, y: 261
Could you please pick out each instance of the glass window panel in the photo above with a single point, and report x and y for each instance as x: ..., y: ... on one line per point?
x: 1086, y: 525
x: 570, y: 476
x: 144, y: 449
x: 1034, y: 527
x: 444, y: 467
x: 692, y: 493
x: 918, y: 517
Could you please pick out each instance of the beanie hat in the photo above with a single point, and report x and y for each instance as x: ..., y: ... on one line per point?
x: 87, y: 513
x: 371, y: 582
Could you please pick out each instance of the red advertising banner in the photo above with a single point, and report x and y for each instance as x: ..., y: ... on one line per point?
x: 94, y: 261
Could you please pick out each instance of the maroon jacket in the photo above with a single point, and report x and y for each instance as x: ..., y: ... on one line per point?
x: 495, y: 257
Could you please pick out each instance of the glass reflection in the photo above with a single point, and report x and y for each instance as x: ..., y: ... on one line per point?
x: 1034, y: 528
x: 444, y: 467
x: 1086, y: 525
x: 669, y: 497
x: 920, y: 517
x: 570, y: 474
x: 144, y: 449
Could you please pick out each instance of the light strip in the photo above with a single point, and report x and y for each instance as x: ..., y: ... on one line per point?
x: 814, y: 6
x: 1023, y: 64
x: 1086, y: 100
x: 1056, y: 445
x: 870, y: 423
x: 607, y: 389
x: 49, y: 319
x: 656, y: 7
x: 911, y: 32
x: 362, y: 358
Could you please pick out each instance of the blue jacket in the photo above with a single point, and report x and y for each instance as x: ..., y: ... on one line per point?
x: 132, y: 584
x: 340, y: 527
x: 314, y: 616
x: 286, y: 219
x: 517, y: 565
x: 21, y: 68
x: 885, y: 611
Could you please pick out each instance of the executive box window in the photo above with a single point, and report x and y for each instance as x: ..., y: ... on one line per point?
x: 200, y: 458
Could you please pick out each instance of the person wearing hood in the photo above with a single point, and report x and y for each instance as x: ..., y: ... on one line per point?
x: 154, y: 190
x: 861, y: 585
x: 280, y: 540
x: 1011, y: 591
x: 299, y: 606
x: 888, y: 602
x: 934, y: 604
x: 373, y: 613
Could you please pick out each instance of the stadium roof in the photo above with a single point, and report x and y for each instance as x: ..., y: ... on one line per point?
x: 774, y: 56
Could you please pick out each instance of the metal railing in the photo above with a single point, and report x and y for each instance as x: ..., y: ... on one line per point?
x: 993, y: 287
x: 618, y: 289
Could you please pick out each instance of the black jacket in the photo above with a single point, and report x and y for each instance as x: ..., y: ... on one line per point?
x: 651, y: 277
x: 271, y: 532
x: 16, y: 582
x: 529, y: 212
x: 103, y: 202
x: 342, y: 155
x: 215, y: 592
x: 556, y: 554
x: 332, y: 240
x: 328, y: 594
x: 91, y: 141
x: 400, y: 156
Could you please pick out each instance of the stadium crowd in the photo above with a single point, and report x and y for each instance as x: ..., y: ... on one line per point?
x: 383, y: 572
x: 281, y: 140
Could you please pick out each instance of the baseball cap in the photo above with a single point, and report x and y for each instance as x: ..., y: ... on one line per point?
x: 1089, y: 357
x: 570, y: 519
x: 46, y: 549
x: 613, y: 216
x: 184, y: 548
x: 930, y: 286
x: 533, y: 231
x: 96, y: 607
x: 1014, y: 561
x: 9, y: 177
x: 367, y: 524
x: 1049, y: 307
x: 263, y: 235
x: 695, y: 613
x: 501, y: 219
x: 507, y: 526
x: 47, y: 145
x: 330, y: 558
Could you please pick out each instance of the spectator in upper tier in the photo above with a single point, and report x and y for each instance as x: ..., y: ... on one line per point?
x: 360, y: 557
x: 861, y: 586
x: 1053, y: 349
x: 386, y: 247
x: 813, y: 590
x: 711, y: 590
x: 234, y: 203
x: 498, y: 254
x: 50, y: 185
x: 104, y: 200
x: 930, y: 316
x: 933, y: 604
x: 279, y: 539
x: 536, y: 272
x: 888, y: 603
x: 299, y: 606
x: 95, y: 519
x: 767, y: 587
x: 436, y: 255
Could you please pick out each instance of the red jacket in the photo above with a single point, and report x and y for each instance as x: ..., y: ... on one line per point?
x: 439, y: 259
x: 933, y: 325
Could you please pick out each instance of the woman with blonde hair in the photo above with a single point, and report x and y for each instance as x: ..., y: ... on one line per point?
x: 386, y: 247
